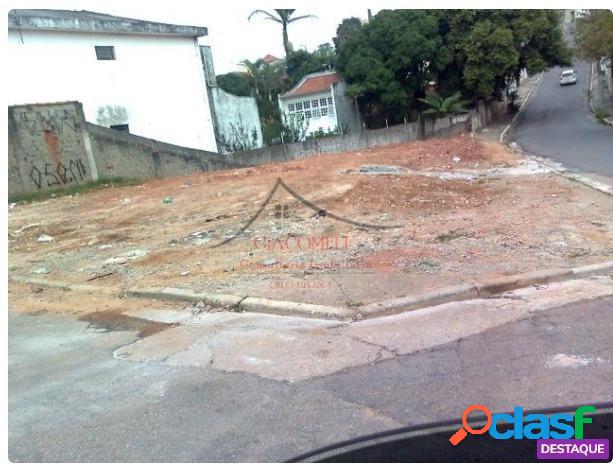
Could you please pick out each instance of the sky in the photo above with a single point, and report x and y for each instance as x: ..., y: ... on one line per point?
x: 231, y: 36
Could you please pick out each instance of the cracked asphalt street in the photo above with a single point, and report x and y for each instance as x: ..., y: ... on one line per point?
x: 70, y: 400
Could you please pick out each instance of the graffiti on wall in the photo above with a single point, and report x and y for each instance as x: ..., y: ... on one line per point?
x: 55, y: 120
x: 62, y: 173
x: 52, y: 124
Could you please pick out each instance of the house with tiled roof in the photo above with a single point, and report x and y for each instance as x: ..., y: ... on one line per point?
x: 319, y: 99
x: 271, y: 59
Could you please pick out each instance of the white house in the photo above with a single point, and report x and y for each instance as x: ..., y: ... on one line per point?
x: 129, y: 74
x: 320, y: 99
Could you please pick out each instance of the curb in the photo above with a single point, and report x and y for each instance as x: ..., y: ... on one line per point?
x: 487, y: 289
x: 607, y: 121
x: 590, y: 89
x: 317, y: 311
x: 244, y: 303
x: 180, y: 294
x: 577, y: 177
x: 503, y: 135
x: 368, y: 311
x: 63, y: 285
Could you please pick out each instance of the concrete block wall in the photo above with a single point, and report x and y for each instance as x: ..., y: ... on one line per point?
x: 52, y: 145
x: 47, y: 148
x: 126, y: 155
x: 354, y: 141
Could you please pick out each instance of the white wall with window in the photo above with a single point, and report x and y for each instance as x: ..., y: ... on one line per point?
x: 317, y: 109
x: 154, y: 84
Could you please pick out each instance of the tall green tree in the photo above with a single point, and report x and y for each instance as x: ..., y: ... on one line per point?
x: 236, y: 83
x: 491, y: 47
x: 253, y: 73
x: 594, y: 37
x: 266, y: 81
x: 284, y: 18
x: 344, y: 30
x: 388, y: 61
x: 300, y: 62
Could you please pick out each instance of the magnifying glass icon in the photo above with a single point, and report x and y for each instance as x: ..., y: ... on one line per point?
x: 466, y: 429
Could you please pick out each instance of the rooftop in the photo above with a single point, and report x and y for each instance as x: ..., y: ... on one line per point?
x: 313, y: 83
x: 270, y: 59
x: 90, y: 21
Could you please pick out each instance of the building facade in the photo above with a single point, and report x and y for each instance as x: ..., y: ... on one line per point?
x: 138, y: 76
x: 319, y: 99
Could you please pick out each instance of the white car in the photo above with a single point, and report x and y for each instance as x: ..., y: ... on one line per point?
x: 568, y: 77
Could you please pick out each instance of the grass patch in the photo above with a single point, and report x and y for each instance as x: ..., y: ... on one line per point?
x: 73, y: 189
x: 600, y: 114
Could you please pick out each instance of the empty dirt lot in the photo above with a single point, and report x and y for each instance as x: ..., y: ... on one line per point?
x: 359, y: 227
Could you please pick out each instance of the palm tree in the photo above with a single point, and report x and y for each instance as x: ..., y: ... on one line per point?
x: 283, y: 17
x: 253, y: 72
x: 443, y: 106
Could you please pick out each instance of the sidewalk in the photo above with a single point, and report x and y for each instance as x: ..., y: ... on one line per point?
x: 500, y: 122
x: 601, y: 95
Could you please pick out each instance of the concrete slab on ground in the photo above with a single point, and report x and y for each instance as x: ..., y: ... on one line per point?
x: 293, y: 349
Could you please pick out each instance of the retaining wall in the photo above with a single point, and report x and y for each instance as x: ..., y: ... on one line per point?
x: 51, y: 145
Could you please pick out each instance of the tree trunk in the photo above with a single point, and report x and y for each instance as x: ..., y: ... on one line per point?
x: 285, y: 40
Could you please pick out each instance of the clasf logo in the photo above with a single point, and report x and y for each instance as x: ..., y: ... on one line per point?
x: 531, y: 426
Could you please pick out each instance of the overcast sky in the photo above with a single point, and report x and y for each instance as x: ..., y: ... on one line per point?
x: 232, y: 38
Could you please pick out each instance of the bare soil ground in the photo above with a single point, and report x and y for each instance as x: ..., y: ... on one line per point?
x: 449, y: 231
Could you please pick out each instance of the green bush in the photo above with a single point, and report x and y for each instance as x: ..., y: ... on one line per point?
x: 600, y: 114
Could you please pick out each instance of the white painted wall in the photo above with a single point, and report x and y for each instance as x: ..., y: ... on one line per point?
x: 327, y: 123
x: 159, y: 80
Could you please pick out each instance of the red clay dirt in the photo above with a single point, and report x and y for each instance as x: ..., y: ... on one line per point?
x: 451, y: 231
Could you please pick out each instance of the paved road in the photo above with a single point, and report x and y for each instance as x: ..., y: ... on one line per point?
x: 69, y: 400
x: 558, y: 124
